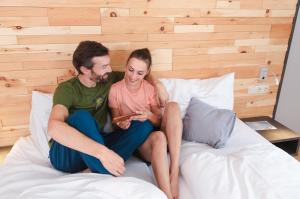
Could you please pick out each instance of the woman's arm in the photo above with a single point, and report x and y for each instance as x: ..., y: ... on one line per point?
x: 155, y: 116
x: 162, y: 93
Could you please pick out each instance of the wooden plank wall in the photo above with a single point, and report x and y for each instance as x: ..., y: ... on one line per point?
x: 188, y: 39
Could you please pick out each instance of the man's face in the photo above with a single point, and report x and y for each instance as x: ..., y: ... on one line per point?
x: 101, y: 69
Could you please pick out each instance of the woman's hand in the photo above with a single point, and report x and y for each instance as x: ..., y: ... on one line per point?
x: 162, y: 94
x: 124, y: 124
x: 142, y: 115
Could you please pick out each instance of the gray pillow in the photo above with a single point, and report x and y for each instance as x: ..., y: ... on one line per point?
x: 206, y: 124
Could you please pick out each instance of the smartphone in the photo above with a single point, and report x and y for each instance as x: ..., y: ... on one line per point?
x: 123, y: 117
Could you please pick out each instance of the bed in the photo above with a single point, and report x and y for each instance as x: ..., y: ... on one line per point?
x: 249, y: 167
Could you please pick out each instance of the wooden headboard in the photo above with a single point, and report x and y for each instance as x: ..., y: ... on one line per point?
x: 188, y: 39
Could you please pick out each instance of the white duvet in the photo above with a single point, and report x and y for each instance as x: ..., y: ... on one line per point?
x: 26, y: 174
x: 249, y: 167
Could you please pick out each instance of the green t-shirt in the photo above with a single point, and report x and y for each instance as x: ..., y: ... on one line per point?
x: 75, y: 96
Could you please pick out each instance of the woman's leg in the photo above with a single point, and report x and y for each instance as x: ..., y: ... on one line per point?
x: 154, y: 150
x: 172, y: 126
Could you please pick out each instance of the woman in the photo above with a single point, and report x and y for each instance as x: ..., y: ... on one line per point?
x: 133, y: 94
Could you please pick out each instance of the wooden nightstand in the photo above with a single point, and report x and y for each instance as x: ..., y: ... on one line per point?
x: 282, y: 137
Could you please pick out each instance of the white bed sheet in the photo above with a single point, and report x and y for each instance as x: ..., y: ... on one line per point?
x: 249, y: 167
x: 26, y: 173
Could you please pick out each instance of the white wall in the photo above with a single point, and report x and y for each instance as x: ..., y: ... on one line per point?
x: 288, y: 108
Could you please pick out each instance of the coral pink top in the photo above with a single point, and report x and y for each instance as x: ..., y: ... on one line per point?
x: 128, y: 102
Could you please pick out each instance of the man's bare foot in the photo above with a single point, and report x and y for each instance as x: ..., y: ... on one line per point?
x: 174, y: 184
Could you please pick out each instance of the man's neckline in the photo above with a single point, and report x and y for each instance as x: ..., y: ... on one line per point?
x: 83, y: 83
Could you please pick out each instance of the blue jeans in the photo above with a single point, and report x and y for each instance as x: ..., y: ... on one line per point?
x: 123, y: 142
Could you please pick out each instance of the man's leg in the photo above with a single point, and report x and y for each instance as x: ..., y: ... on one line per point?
x: 69, y: 160
x: 125, y: 142
x: 172, y: 126
x: 65, y: 159
x: 154, y: 150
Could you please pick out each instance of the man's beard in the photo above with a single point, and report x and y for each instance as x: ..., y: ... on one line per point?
x: 99, y: 78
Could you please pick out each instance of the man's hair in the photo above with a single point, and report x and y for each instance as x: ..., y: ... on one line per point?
x: 85, y: 52
x: 142, y: 54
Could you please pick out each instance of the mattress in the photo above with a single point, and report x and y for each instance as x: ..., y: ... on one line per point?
x: 248, y: 167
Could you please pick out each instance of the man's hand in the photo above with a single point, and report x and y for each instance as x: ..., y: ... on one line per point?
x: 112, y: 162
x: 162, y: 94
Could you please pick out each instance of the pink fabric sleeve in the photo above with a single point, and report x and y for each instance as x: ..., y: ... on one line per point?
x: 112, y: 98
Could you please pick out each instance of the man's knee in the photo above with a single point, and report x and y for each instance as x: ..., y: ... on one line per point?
x: 82, y: 119
x: 79, y: 116
x: 84, y: 122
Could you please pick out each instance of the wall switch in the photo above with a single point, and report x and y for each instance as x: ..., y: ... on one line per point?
x: 263, y: 73
x: 260, y: 89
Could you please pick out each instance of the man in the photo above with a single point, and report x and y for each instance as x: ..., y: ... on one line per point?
x: 79, y: 113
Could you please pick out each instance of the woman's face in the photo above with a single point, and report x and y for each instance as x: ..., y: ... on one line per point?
x: 136, y: 70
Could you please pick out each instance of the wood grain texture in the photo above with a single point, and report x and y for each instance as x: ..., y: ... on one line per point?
x: 74, y: 16
x: 50, y: 30
x: 251, y: 4
x: 23, y: 21
x: 75, y: 39
x: 187, y: 39
x: 22, y: 11
x: 165, y: 12
x: 113, y: 25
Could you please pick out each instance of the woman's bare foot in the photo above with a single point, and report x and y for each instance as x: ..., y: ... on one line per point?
x: 174, y: 184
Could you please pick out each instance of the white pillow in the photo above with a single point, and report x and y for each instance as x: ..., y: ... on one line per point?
x: 217, y: 92
x: 180, y: 91
x: 41, y: 106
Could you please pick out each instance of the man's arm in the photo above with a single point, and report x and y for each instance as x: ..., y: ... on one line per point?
x: 162, y: 93
x: 68, y: 136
